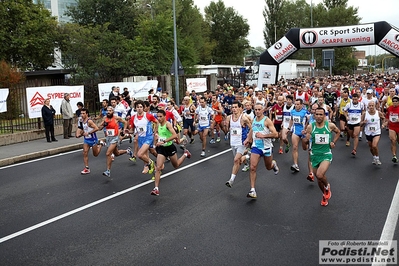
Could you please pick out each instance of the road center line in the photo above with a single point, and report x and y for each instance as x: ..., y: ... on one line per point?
x: 390, y: 223
x: 59, y: 217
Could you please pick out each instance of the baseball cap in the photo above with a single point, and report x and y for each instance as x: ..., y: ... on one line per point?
x: 369, y: 91
x: 162, y: 104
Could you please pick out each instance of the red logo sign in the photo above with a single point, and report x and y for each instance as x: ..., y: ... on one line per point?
x: 37, y: 99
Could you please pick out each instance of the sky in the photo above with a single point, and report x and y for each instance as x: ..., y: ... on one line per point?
x: 369, y: 10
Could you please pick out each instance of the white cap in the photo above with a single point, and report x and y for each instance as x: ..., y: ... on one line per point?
x: 369, y: 91
x: 328, y: 86
x: 346, y: 86
x: 380, y: 83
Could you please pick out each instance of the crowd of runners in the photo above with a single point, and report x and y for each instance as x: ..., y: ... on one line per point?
x: 311, y: 113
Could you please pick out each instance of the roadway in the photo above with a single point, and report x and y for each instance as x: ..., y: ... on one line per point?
x: 53, y: 215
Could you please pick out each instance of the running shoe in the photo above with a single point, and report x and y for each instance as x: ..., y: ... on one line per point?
x: 151, y: 167
x: 245, y: 168
x: 192, y: 141
x: 360, y: 138
x: 107, y: 173
x: 184, y: 141
x: 287, y: 148
x: 129, y: 152
x: 102, y: 143
x: 229, y: 183
x: 327, y: 192
x: 342, y: 134
x: 280, y: 151
x: 145, y: 169
x: 347, y: 144
x: 353, y: 152
x: 394, y: 159
x: 295, y: 168
x: 226, y: 136
x: 374, y: 161
x: 187, y: 153
x: 218, y: 139
x: 85, y: 171
x: 324, y: 201
x: 310, y: 177
x: 155, y: 192
x: 251, y: 194
x: 212, y: 141
x: 378, y: 162
x: 133, y: 159
x: 183, y: 147
x: 275, y: 167
x: 112, y: 157
x: 203, y: 154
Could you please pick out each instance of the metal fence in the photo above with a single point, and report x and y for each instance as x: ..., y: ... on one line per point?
x: 16, y: 118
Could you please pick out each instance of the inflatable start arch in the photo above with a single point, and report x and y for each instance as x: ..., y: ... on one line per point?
x: 380, y: 33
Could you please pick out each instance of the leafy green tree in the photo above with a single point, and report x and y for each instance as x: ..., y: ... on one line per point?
x: 27, y: 33
x: 96, y: 52
x: 229, y: 31
x: 273, y: 20
x: 120, y: 14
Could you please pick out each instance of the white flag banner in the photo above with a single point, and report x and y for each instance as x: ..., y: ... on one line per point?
x: 196, y: 84
x: 35, y: 97
x: 136, y: 89
x: 3, y: 100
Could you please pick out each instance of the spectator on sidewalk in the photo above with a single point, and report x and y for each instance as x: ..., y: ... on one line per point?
x: 48, y: 113
x: 67, y: 115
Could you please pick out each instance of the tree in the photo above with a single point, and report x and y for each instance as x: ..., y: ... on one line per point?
x: 28, y: 34
x: 273, y: 17
x: 96, y: 52
x: 229, y: 31
x: 121, y: 15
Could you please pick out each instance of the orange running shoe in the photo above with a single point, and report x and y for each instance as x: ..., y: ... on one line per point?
x: 280, y: 151
x: 327, y: 192
x: 324, y: 201
x: 310, y: 177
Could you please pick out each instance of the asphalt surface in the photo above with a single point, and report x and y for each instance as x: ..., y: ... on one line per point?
x: 196, y: 220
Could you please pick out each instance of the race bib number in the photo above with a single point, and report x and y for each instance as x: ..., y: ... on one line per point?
x: 203, y: 121
x: 393, y: 118
x: 296, y: 119
x: 322, y: 138
x: 111, y: 132
x: 235, y: 132
x: 287, y: 119
x: 355, y: 118
x: 279, y: 117
x: 371, y: 128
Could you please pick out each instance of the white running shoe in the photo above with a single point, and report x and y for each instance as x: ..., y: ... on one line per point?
x: 245, y: 168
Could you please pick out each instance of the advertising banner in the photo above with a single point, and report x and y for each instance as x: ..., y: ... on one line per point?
x: 3, y: 100
x: 197, y: 84
x: 136, y: 89
x: 267, y: 75
x: 391, y: 42
x: 281, y: 50
x: 35, y: 97
x: 337, y: 36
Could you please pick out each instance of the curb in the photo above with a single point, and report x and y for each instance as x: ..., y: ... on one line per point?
x: 39, y: 154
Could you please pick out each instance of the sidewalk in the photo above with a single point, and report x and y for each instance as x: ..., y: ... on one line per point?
x: 34, y: 149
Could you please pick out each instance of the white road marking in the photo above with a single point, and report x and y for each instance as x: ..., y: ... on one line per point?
x: 41, y: 159
x: 390, y: 224
x: 34, y: 227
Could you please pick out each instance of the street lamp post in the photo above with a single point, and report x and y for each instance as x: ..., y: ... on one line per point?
x: 175, y: 54
x: 152, y: 14
x: 311, y: 25
x: 382, y: 62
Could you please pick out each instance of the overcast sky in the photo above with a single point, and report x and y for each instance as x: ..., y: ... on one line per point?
x: 369, y: 11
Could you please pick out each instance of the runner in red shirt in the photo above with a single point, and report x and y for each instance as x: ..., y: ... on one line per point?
x: 276, y: 115
x: 392, y: 120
